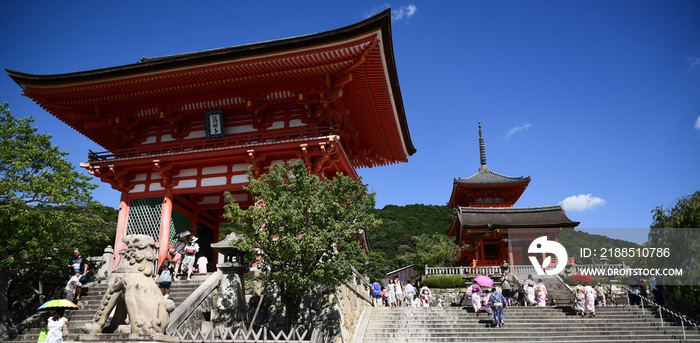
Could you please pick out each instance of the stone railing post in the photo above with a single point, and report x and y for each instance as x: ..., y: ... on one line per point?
x: 107, y: 263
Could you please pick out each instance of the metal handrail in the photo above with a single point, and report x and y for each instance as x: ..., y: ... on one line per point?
x: 680, y: 316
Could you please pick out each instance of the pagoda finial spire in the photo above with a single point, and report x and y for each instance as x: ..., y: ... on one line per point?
x: 482, y: 149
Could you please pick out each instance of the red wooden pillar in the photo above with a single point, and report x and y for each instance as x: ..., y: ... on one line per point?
x: 165, y: 218
x: 511, y: 261
x: 121, y: 226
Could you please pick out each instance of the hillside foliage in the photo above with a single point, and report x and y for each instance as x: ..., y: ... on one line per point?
x: 396, y: 239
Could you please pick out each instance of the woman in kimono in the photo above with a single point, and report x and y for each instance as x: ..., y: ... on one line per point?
x: 590, y: 298
x: 580, y: 304
x: 425, y: 295
x: 541, y: 293
x: 410, y: 294
x: 476, y: 297
x: 529, y: 287
x: 485, y: 300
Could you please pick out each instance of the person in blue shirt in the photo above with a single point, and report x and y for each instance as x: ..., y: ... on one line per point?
x: 497, y: 302
x: 376, y: 293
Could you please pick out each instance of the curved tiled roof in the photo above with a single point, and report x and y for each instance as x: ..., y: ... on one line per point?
x: 357, y: 59
x: 486, y: 177
x: 524, y: 217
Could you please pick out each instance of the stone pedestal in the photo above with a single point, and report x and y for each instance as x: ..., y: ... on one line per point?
x: 231, y: 307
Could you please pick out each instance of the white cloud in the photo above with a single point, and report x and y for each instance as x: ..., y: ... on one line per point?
x: 404, y: 11
x: 581, y: 202
x: 396, y: 13
x: 518, y: 128
x: 694, y: 62
x: 697, y: 124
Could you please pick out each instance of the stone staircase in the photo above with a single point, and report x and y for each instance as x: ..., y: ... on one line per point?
x: 90, y: 300
x: 521, y: 324
x: 555, y: 288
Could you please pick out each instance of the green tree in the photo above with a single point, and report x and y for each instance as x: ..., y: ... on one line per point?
x: 370, y: 264
x: 46, y: 212
x: 298, y: 223
x: 436, y: 250
x: 34, y: 172
x: 678, y: 229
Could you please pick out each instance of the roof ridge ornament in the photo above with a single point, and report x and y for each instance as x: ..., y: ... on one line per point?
x: 482, y: 149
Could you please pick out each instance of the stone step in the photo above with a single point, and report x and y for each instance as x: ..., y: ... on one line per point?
x: 549, y: 338
x: 544, y: 340
x: 522, y: 324
x: 538, y: 326
x: 90, y: 301
x: 508, y: 328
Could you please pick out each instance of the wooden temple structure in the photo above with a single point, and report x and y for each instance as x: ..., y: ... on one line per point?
x: 181, y: 130
x: 486, y: 221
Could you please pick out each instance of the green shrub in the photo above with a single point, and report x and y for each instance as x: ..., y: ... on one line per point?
x: 451, y: 281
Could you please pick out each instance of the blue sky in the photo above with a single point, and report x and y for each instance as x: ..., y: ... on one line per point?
x: 597, y: 101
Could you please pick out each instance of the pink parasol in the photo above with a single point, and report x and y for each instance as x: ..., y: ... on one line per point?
x: 483, y: 280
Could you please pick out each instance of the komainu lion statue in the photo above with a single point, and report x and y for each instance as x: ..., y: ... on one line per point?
x: 132, y: 290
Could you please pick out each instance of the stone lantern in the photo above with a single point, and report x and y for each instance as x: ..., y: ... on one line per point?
x: 232, y: 257
x: 231, y: 307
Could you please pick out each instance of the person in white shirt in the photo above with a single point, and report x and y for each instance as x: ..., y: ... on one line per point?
x: 72, y: 286
x: 188, y: 261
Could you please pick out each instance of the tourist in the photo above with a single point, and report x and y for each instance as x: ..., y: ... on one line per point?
x: 175, y: 258
x: 590, y: 298
x: 57, y: 328
x: 391, y: 293
x: 505, y: 286
x: 376, y: 293
x: 164, y: 278
x: 529, y: 286
x: 398, y: 288
x: 656, y: 290
x: 520, y: 299
x: 78, y: 264
x: 410, y: 294
x: 425, y: 296
x: 72, y: 287
x: 188, y: 261
x: 476, y: 297
x: 580, y: 304
x: 385, y: 301
x: 541, y: 293
x: 600, y: 299
x: 643, y: 290
x: 202, y: 262
x: 485, y: 301
x: 497, y: 303
x: 633, y: 293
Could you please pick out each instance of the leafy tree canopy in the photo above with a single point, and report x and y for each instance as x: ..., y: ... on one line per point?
x: 46, y: 211
x: 436, y: 250
x: 678, y: 229
x: 298, y: 223
x: 32, y: 171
